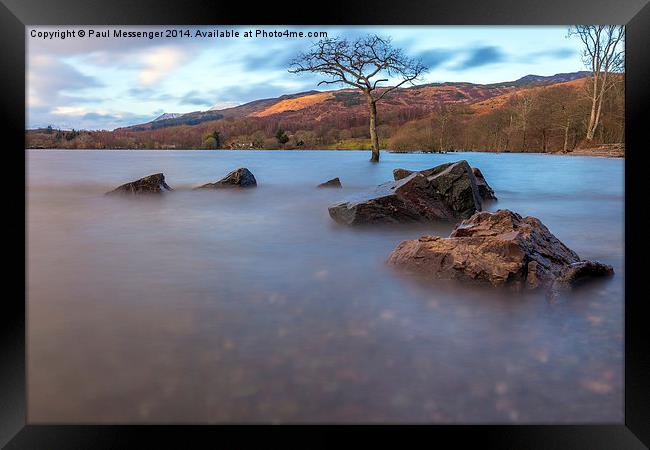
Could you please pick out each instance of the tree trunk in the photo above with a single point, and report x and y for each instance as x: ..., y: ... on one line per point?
x: 442, y: 134
x: 374, y: 140
x: 566, y: 135
x: 597, y: 119
x: 591, y: 128
x: 508, y: 134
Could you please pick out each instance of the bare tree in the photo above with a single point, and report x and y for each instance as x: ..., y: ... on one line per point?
x: 523, y: 107
x: 363, y: 64
x: 562, y: 108
x: 444, y: 114
x: 603, y: 54
x: 508, y: 129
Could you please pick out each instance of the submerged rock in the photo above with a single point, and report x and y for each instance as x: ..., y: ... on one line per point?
x: 484, y: 189
x: 500, y: 248
x: 333, y: 183
x: 238, y: 178
x: 152, y: 184
x: 579, y: 271
x: 447, y: 192
x: 399, y: 174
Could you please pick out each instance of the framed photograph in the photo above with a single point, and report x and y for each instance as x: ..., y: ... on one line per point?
x: 417, y: 214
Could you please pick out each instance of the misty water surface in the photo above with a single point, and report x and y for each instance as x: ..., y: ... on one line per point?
x: 254, y: 306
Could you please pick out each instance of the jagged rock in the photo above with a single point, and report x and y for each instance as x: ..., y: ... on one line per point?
x: 484, y: 189
x: 500, y: 248
x: 238, y: 178
x: 449, y: 193
x: 333, y: 183
x: 152, y: 184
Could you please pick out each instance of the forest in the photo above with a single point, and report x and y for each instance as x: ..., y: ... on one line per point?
x: 532, y: 118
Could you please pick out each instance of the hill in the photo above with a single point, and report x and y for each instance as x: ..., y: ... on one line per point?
x: 318, y: 103
x: 434, y: 117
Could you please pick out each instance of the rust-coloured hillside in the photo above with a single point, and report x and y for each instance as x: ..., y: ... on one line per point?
x: 533, y: 113
x: 415, y: 101
x: 496, y: 102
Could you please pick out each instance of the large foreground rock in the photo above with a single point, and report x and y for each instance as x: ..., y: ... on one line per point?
x: 152, y: 184
x: 499, y: 248
x: 448, y: 192
x: 485, y: 191
x: 238, y: 178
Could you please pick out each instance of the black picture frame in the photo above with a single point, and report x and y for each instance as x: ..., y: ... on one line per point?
x: 16, y: 14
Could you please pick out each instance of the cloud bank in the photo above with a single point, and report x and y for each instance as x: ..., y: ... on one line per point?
x: 108, y: 83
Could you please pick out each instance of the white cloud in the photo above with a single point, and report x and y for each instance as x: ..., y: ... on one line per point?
x: 78, y: 110
x: 49, y: 78
x: 158, y: 63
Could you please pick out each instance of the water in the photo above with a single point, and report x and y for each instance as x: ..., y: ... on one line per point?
x: 254, y: 306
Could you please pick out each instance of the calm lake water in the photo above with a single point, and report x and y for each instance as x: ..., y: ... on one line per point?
x: 254, y: 306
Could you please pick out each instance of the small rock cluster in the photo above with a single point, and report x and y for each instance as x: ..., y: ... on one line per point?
x: 500, y: 249
x: 155, y: 184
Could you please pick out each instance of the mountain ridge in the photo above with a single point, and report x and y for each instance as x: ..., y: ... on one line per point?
x: 427, y: 96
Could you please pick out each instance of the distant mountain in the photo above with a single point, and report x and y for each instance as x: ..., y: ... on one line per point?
x: 193, y: 118
x: 165, y: 116
x: 255, y: 104
x: 320, y: 105
x: 557, y: 78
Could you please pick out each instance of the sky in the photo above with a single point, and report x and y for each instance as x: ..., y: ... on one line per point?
x: 98, y: 83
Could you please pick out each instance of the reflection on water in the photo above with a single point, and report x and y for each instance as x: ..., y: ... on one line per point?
x: 254, y: 306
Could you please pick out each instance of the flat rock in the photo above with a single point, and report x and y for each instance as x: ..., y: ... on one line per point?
x: 500, y: 248
x: 152, y: 184
x: 238, y: 178
x: 447, y: 193
x: 333, y: 183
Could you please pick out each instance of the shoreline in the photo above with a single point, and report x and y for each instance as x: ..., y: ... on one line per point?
x: 578, y: 152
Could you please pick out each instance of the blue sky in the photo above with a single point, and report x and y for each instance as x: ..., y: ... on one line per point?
x: 105, y: 83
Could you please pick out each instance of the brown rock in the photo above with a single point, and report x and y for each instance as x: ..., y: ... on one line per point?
x: 238, y: 178
x: 499, y: 248
x: 398, y: 174
x: 152, y: 184
x: 333, y: 183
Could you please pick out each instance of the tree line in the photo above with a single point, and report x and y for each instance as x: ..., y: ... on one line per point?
x: 551, y: 118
